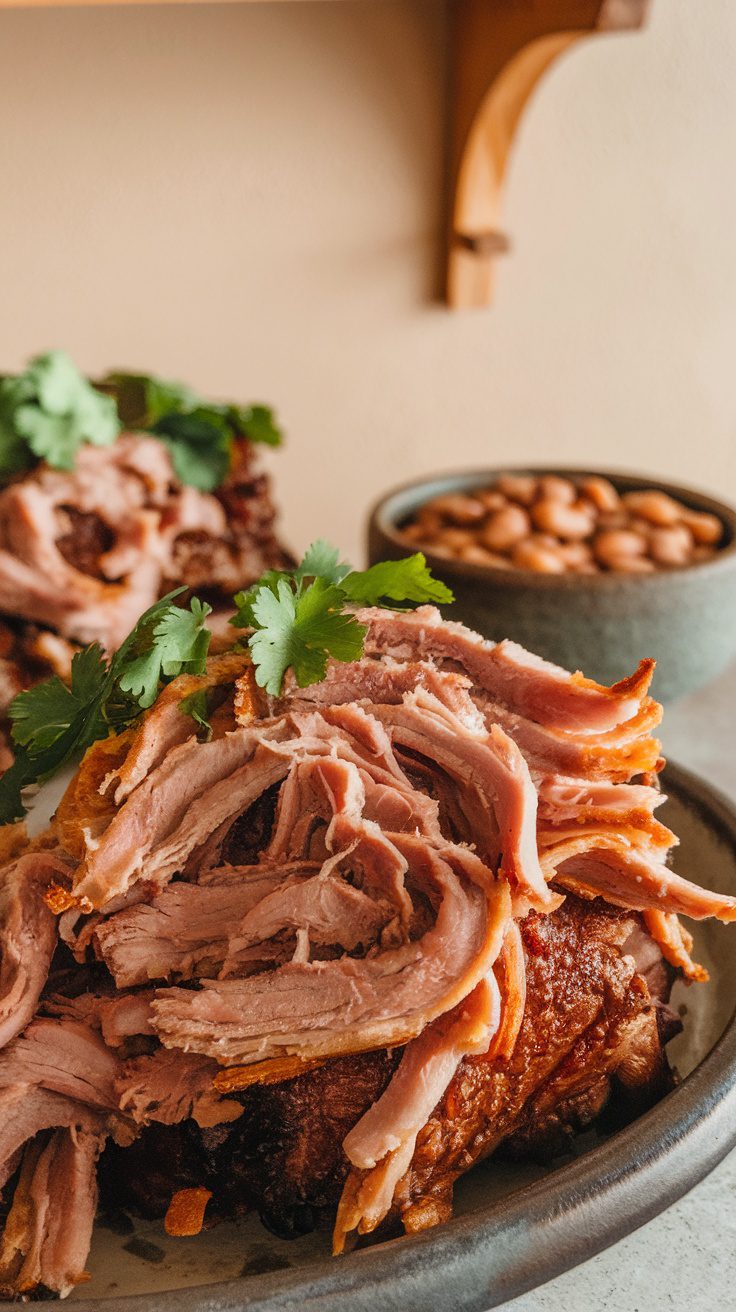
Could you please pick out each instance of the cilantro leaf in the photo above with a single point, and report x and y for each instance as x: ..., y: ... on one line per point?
x: 52, y: 724
x: 320, y: 560
x: 200, y: 448
x: 14, y: 780
x: 15, y: 454
x: 409, y: 579
x: 197, y: 708
x: 302, y: 619
x: 257, y: 423
x: 178, y: 643
x: 57, y: 411
x: 198, y: 434
x: 244, y: 617
x: 182, y: 638
x: 300, y: 630
x: 88, y: 672
x: 43, y: 714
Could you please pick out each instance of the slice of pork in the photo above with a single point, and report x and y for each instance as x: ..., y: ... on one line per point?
x: 49, y: 1227
x: 169, y: 1086
x: 529, y: 685
x: 325, y: 1007
x: 28, y: 935
x: 382, y: 1143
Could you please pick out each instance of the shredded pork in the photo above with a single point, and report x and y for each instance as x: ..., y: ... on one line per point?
x: 367, y: 874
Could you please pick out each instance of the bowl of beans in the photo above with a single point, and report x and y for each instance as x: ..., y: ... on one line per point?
x: 591, y: 570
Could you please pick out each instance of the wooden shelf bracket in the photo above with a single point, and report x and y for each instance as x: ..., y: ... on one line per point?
x: 499, y: 50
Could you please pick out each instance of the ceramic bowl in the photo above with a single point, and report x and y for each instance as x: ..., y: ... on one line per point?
x: 602, y: 624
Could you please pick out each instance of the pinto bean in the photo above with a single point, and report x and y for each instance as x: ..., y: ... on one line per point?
x: 428, y: 520
x: 617, y: 544
x: 414, y: 532
x: 518, y: 487
x: 630, y: 565
x: 554, y: 488
x: 575, y: 554
x: 641, y: 526
x: 505, y: 528
x: 475, y: 554
x: 458, y: 508
x: 528, y: 555
x: 602, y: 493
x: 707, y: 529
x: 552, y: 524
x: 654, y: 506
x: 613, y: 519
x: 567, y: 522
x: 671, y: 546
x: 454, y: 538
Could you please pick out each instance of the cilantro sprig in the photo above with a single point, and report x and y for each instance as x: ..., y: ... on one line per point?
x: 298, y: 621
x: 198, y: 434
x: 301, y: 619
x: 48, y: 412
x: 53, y: 724
x: 51, y: 410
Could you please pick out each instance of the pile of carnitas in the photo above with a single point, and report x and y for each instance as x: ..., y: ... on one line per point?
x: 322, y: 963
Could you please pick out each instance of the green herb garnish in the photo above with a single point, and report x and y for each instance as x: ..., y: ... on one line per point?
x: 298, y: 620
x: 53, y: 724
x: 303, y: 618
x: 48, y: 412
x: 198, y: 434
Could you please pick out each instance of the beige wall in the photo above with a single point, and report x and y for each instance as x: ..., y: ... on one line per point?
x: 249, y: 198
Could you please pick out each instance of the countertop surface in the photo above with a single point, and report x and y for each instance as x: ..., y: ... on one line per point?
x: 686, y: 1257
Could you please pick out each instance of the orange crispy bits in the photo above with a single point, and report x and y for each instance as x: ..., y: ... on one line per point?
x: 83, y: 807
x: 232, y: 1078
x: 249, y: 698
x: 59, y: 899
x: 185, y: 1214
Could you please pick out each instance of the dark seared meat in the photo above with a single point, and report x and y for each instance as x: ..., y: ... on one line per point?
x: 88, y: 538
x: 221, y: 564
x: 590, y: 1030
x: 288, y: 1155
x: 142, y: 1178
x: 283, y: 1157
x: 590, y: 1026
x: 249, y: 835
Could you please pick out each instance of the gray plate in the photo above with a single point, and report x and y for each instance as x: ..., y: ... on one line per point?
x: 515, y: 1227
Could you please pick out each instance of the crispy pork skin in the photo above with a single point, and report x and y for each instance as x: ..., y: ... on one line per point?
x: 589, y: 1033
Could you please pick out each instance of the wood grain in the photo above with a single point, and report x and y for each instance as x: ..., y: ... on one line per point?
x: 500, y: 49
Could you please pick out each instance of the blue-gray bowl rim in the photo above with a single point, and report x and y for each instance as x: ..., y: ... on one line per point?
x: 538, y: 1231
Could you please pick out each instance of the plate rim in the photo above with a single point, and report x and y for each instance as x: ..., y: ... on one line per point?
x: 477, y: 1262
